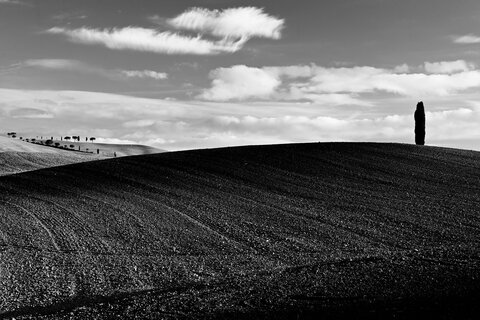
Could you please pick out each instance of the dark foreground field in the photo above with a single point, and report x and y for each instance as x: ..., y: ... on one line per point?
x: 294, y: 231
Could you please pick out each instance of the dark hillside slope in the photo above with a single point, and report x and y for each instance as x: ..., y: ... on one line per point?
x: 331, y: 229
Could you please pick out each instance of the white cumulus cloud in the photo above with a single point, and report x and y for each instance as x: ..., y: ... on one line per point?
x: 403, y: 68
x: 448, y: 66
x: 337, y: 86
x: 240, y: 82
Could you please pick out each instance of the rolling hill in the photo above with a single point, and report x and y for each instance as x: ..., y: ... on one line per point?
x: 20, y: 156
x: 16, y: 145
x: 283, y: 231
x: 111, y: 150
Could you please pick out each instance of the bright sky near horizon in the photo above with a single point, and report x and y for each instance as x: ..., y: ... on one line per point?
x: 182, y: 74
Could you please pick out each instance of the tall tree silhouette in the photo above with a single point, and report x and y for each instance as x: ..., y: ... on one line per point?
x: 419, y: 116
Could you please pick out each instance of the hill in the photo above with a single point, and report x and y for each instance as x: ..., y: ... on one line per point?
x: 111, y: 150
x: 283, y: 231
x: 16, y: 145
x: 20, y: 156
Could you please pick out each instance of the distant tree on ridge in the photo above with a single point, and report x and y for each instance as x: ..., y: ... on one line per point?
x: 419, y: 117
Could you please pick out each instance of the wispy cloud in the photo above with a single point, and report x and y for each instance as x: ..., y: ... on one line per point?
x: 14, y: 2
x: 145, y: 74
x: 66, y: 16
x: 58, y: 64
x: 149, y: 40
x: 232, y: 28
x: 244, y: 22
x: 467, y: 39
x: 30, y: 113
x: 81, y: 67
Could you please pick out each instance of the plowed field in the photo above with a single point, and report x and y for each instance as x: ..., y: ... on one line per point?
x: 283, y: 231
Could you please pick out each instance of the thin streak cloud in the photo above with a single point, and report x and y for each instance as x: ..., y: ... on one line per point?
x: 145, y: 74
x: 57, y: 64
x: 81, y: 67
x: 231, y: 28
x: 148, y: 40
x: 14, y: 2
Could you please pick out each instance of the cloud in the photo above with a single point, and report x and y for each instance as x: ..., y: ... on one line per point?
x: 244, y: 22
x: 145, y: 74
x: 66, y: 16
x: 448, y: 67
x: 232, y: 28
x: 404, y: 68
x: 78, y: 66
x: 30, y: 113
x: 248, y: 83
x: 467, y: 39
x: 57, y: 64
x: 442, y: 126
x: 14, y: 2
x: 176, y: 125
x: 114, y: 141
x: 240, y: 82
x: 149, y: 40
x: 344, y: 85
x: 370, y: 79
x: 139, y: 123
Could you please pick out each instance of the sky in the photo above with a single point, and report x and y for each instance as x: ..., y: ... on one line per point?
x: 181, y: 74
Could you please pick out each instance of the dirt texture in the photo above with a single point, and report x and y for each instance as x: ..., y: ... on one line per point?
x: 337, y: 230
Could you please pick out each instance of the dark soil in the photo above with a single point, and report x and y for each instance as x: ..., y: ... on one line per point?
x: 331, y: 230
